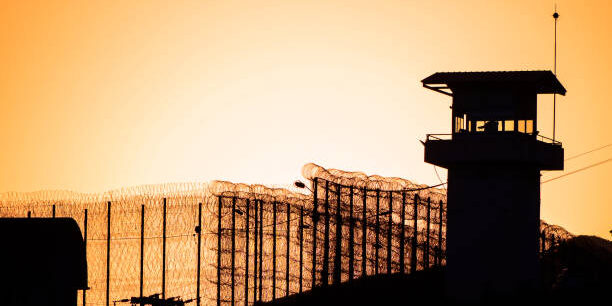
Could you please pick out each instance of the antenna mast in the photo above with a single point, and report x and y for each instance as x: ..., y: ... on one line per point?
x: 555, y: 16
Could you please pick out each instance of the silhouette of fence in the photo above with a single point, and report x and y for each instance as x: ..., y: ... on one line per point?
x: 551, y: 236
x: 271, y: 248
x: 112, y: 227
x: 226, y: 243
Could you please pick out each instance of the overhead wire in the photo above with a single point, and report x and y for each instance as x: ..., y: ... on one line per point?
x: 578, y: 170
x: 587, y: 152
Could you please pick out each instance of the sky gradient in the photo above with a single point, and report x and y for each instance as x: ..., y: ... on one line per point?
x: 98, y: 95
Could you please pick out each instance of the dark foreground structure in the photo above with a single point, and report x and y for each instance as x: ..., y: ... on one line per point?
x: 42, y: 262
x: 420, y: 288
x: 494, y: 157
x: 575, y: 272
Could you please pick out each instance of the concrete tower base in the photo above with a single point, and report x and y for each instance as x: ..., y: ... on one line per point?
x: 492, y: 231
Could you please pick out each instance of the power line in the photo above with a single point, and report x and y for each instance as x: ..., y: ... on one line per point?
x: 587, y: 152
x: 576, y: 171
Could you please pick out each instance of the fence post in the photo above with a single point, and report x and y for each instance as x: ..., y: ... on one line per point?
x: 325, y: 272
x: 29, y: 214
x: 338, y: 254
x: 108, y: 238
x: 85, y: 247
x: 402, y: 234
x: 427, y: 243
x: 441, y: 214
x: 164, y: 252
x: 377, y: 232
x: 199, y: 233
x: 389, y: 232
x: 364, y: 233
x: 315, y: 221
x: 53, y: 211
x: 288, y: 249
x: 301, y: 245
x: 274, y: 250
x: 351, y: 244
x: 220, y: 202
x: 255, y: 248
x: 142, y: 223
x: 413, y: 251
x: 233, y: 260
x: 261, y: 238
x: 246, y: 254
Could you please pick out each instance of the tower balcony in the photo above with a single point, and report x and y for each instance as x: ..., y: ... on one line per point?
x: 494, y: 148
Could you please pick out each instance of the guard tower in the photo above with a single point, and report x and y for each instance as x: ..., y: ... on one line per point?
x: 494, y: 156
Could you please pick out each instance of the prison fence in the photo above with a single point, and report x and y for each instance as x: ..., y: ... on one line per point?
x: 352, y: 226
x: 551, y: 236
x: 227, y: 243
x: 137, y: 239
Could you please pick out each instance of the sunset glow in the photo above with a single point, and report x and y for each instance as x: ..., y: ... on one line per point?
x: 98, y: 95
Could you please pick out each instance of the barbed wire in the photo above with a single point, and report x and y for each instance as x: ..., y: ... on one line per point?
x: 421, y: 232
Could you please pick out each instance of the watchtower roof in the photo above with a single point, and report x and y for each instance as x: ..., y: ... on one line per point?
x: 544, y: 81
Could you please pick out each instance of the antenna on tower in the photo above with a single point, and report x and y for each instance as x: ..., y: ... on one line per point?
x: 555, y: 16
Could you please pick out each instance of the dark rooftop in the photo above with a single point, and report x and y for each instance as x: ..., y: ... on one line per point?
x: 545, y: 81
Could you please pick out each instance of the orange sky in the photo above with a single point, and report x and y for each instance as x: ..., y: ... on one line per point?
x: 97, y: 95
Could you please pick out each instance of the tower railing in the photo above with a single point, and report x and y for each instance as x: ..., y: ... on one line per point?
x: 548, y: 140
x: 439, y: 136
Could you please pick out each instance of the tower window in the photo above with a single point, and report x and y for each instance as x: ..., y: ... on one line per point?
x: 525, y: 126
x: 521, y: 126
x: 459, y: 124
x: 529, y: 127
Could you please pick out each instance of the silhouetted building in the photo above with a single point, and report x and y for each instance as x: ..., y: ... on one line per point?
x: 42, y: 261
x: 494, y: 157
